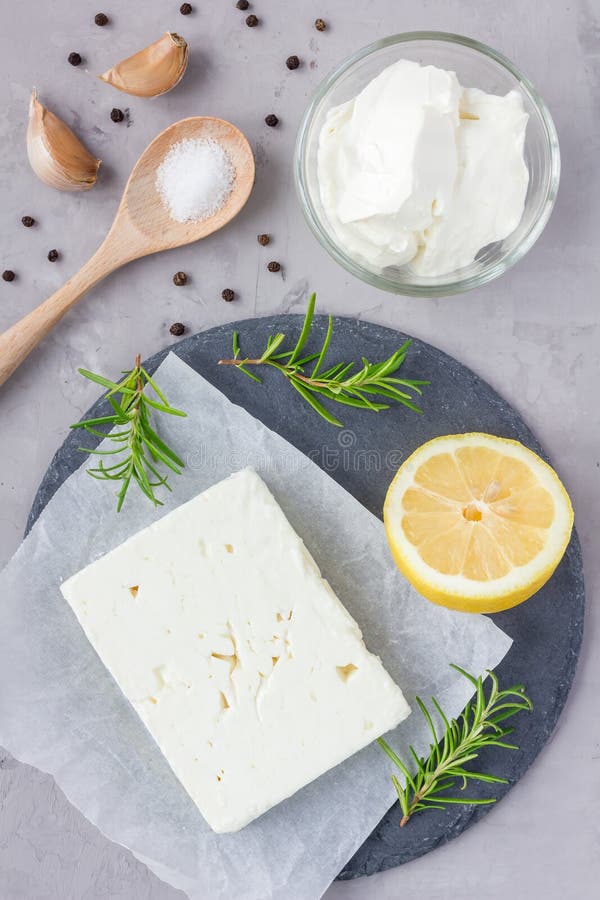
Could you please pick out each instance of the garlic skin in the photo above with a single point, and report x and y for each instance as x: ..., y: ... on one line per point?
x: 152, y: 71
x: 55, y: 153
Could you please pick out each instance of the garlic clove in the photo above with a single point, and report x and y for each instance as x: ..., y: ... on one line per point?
x: 154, y: 70
x: 56, y: 154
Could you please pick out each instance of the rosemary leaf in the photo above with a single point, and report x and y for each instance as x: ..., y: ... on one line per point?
x: 132, y: 410
x: 342, y: 383
x: 312, y: 401
x: 305, y: 329
x: 458, y: 745
x: 324, y: 348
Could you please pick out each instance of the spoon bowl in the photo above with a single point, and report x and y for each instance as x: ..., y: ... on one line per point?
x: 143, y: 204
x: 141, y: 226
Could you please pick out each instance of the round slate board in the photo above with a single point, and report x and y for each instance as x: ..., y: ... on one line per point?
x: 546, y: 631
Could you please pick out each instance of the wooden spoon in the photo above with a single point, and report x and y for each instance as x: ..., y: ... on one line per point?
x: 142, y: 226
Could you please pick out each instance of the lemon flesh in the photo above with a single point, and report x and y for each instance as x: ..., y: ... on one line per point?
x: 476, y: 522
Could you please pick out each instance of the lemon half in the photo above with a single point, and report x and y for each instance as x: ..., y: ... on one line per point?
x: 476, y: 522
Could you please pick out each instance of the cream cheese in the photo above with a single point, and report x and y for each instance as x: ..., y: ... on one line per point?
x: 418, y: 170
x: 243, y: 664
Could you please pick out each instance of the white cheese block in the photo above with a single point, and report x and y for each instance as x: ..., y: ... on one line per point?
x: 245, y: 667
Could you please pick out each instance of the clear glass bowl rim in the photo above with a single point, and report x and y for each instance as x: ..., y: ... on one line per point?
x: 458, y: 285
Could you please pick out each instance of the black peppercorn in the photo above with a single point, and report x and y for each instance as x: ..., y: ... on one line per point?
x: 53, y: 255
x: 228, y: 295
x: 263, y: 239
x: 292, y: 62
x: 320, y: 24
x: 185, y: 9
x: 117, y: 115
x: 179, y: 278
x: 28, y: 221
x: 272, y: 120
x: 252, y: 21
x: 101, y: 19
x: 177, y: 329
x: 274, y: 267
x: 242, y: 4
x: 74, y: 59
x: 8, y: 275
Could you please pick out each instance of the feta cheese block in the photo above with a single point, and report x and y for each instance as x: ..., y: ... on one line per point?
x: 242, y: 663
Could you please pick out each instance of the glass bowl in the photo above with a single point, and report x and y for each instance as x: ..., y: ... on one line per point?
x: 476, y: 65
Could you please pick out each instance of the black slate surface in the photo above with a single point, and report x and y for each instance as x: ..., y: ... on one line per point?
x: 547, y: 630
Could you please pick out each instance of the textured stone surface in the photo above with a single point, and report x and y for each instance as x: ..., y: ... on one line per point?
x: 363, y: 457
x: 533, y: 335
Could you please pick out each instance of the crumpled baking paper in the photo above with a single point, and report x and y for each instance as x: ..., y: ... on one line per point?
x: 61, y: 711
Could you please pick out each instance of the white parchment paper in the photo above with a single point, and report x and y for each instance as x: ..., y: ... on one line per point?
x: 61, y: 711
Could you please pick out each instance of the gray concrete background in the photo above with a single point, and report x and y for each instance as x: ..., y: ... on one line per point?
x: 533, y: 335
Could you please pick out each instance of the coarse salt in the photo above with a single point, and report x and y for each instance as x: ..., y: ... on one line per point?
x: 195, y: 179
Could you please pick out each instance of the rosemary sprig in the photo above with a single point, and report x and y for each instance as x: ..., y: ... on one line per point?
x: 478, y: 727
x: 141, y: 448
x: 337, y: 383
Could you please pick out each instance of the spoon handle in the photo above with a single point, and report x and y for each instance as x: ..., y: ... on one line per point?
x: 20, y: 339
